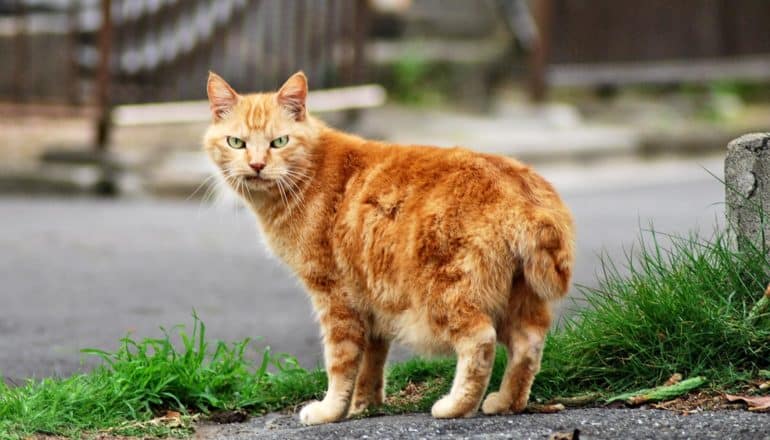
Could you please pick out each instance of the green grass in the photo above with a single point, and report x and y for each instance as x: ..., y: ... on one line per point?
x: 682, y: 308
x: 141, y: 379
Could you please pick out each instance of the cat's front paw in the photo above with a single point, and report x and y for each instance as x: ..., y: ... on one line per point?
x: 315, y: 413
x: 449, y: 408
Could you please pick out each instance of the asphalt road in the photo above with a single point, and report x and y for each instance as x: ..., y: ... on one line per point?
x: 78, y: 273
x: 593, y: 424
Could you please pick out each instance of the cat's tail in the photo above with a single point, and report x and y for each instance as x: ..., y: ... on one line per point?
x: 548, y: 256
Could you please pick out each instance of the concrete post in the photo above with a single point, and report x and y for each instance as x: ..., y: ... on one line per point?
x: 747, y: 187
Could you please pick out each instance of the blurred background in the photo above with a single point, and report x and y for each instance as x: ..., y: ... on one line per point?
x: 108, y: 224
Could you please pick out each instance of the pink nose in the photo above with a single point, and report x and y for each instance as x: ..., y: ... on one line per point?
x: 257, y: 166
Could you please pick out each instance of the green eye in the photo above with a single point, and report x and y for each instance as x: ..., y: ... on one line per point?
x: 235, y: 142
x: 279, y: 142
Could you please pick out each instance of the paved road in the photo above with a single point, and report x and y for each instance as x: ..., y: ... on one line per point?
x: 80, y: 273
x: 593, y: 424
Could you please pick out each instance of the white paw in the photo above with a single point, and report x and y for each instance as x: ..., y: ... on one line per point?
x: 315, y: 413
x: 448, y: 408
x: 495, y: 404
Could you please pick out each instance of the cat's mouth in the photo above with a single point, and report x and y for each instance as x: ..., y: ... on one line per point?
x: 255, y: 180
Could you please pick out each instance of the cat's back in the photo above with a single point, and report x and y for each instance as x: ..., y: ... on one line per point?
x: 391, y: 177
x: 409, y: 198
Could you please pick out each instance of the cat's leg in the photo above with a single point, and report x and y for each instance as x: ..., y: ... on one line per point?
x: 344, y: 338
x: 370, y: 384
x: 523, y: 336
x: 474, y: 342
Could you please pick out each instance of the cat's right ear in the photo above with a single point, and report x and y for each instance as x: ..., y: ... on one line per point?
x: 222, y: 97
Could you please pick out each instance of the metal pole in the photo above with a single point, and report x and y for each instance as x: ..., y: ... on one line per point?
x: 73, y: 35
x: 360, y: 30
x: 103, y: 101
x: 103, y: 77
x: 538, y: 86
x: 21, y: 67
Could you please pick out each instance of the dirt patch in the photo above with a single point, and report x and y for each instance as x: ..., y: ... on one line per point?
x: 412, y: 394
x: 224, y: 417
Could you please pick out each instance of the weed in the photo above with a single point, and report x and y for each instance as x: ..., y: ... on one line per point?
x: 143, y: 378
x: 681, y: 309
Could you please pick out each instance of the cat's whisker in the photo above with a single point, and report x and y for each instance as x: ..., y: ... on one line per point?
x: 214, y: 189
x: 291, y: 191
x: 206, y: 181
x: 241, y: 190
x: 297, y: 178
x: 297, y: 170
x: 296, y: 173
x: 210, y: 191
x: 284, y: 199
x: 296, y: 192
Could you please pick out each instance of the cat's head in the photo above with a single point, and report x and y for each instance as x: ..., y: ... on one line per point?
x: 261, y: 142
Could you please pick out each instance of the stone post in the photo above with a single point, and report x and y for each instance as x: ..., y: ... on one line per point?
x: 747, y: 187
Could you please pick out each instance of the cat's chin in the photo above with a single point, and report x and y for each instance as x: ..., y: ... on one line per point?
x: 253, y: 185
x: 258, y: 182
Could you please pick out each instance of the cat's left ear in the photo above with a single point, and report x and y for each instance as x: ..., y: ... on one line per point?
x: 293, y: 95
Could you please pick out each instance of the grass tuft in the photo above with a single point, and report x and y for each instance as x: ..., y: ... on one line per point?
x: 144, y: 378
x: 682, y: 309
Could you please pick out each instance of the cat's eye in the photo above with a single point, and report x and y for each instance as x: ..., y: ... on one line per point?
x: 235, y: 142
x: 280, y: 141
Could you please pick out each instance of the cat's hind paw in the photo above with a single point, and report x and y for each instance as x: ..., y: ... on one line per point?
x: 357, y: 408
x: 361, y: 403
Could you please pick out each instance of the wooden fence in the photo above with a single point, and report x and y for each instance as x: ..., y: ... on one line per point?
x: 94, y: 54
x: 654, y: 41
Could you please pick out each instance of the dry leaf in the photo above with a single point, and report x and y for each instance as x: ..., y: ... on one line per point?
x: 755, y: 403
x: 172, y: 419
x: 545, y: 408
x: 674, y: 379
x: 579, y: 400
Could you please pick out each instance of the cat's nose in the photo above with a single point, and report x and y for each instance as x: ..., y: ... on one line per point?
x: 257, y: 166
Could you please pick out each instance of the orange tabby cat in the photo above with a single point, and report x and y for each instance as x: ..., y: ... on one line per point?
x: 441, y: 249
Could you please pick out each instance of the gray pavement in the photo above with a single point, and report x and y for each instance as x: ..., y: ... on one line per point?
x: 593, y: 424
x: 79, y: 272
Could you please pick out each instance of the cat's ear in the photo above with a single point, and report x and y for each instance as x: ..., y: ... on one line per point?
x: 293, y: 94
x: 222, y: 97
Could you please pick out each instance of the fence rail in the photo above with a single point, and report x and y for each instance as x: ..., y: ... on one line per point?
x: 162, y: 49
x: 87, y: 56
x: 603, y: 42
